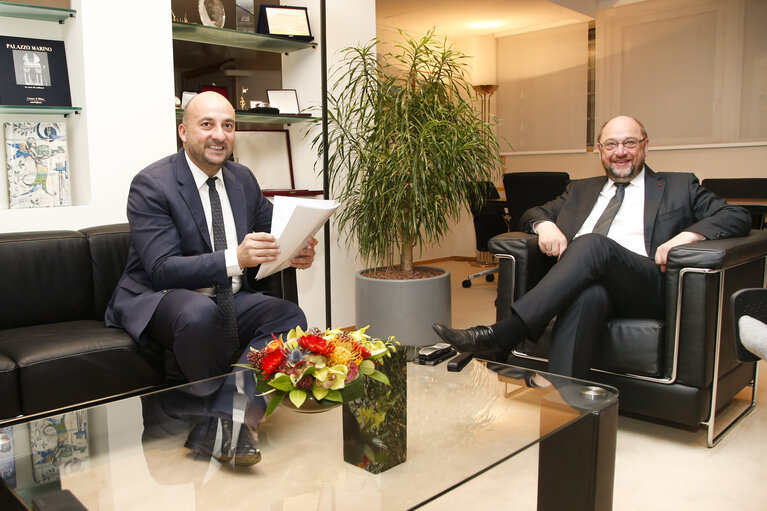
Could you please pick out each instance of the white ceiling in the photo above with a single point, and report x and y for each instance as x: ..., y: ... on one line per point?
x: 462, y: 18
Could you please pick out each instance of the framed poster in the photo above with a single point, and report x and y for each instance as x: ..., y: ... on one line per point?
x: 284, y: 21
x: 33, y: 72
x: 267, y: 154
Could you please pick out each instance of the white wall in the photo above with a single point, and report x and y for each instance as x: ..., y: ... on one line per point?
x: 124, y: 83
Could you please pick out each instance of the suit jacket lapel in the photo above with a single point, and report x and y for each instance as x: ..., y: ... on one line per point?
x: 191, y: 195
x: 236, y: 194
x: 654, y: 188
x: 587, y: 197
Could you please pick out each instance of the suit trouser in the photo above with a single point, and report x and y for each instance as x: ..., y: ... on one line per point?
x: 191, y: 325
x: 594, y: 279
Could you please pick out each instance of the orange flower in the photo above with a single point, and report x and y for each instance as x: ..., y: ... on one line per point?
x: 272, y: 361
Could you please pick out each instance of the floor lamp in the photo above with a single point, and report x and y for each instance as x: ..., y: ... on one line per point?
x: 484, y: 258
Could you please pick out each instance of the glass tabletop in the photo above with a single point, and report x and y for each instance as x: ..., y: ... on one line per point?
x: 134, y: 453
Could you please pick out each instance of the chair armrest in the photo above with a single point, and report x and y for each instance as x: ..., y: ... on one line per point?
x: 700, y: 277
x: 719, y: 254
x: 521, y: 266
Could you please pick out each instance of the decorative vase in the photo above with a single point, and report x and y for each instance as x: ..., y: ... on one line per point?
x: 375, y: 424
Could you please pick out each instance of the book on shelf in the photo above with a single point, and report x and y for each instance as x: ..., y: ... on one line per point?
x: 33, y: 72
x: 37, y: 166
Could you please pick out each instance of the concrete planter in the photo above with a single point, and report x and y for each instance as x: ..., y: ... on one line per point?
x: 405, y: 309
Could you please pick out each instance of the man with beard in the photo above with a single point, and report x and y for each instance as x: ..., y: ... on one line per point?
x: 198, y: 222
x: 611, y: 237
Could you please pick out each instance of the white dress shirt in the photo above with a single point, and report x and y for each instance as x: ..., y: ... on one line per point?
x: 628, y: 225
x: 232, y: 264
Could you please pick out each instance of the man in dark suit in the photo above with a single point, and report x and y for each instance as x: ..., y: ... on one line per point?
x: 198, y: 221
x: 611, y: 237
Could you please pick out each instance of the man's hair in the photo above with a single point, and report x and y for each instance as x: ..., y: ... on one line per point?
x: 641, y: 127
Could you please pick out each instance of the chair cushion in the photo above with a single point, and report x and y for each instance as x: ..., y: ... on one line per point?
x: 9, y: 382
x: 94, y: 362
x: 627, y: 346
x: 108, y: 245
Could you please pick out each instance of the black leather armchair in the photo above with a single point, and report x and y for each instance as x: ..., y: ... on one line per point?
x: 683, y: 369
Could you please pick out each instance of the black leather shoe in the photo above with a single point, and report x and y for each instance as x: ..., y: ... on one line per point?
x: 202, y: 439
x: 478, y: 340
x: 246, y: 453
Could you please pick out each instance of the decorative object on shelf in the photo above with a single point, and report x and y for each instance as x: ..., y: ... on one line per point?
x: 284, y: 21
x: 243, y: 103
x: 375, y: 424
x: 325, y: 365
x: 7, y: 460
x: 186, y: 96
x: 37, y: 164
x: 59, y: 445
x: 211, y: 13
x: 267, y: 154
x: 286, y: 100
x: 33, y: 72
x: 246, y: 16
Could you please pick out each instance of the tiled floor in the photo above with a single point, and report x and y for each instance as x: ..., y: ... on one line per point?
x: 658, y: 467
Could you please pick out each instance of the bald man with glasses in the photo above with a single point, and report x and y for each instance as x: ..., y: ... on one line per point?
x: 611, y: 236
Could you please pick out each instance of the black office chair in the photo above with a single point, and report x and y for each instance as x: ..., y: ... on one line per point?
x: 739, y: 191
x: 748, y: 302
x: 525, y: 190
x: 489, y: 220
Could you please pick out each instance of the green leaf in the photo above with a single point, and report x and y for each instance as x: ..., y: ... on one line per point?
x: 282, y: 382
x: 379, y: 376
x: 319, y: 393
x: 297, y: 397
x: 274, y: 402
x: 335, y: 396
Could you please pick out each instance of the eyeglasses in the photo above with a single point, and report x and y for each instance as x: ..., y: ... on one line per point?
x: 629, y: 143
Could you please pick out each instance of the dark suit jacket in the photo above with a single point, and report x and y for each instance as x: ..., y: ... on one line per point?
x: 170, y: 244
x: 674, y: 202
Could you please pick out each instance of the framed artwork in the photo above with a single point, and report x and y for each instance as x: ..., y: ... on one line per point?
x: 33, y: 72
x: 284, y: 21
x: 267, y: 154
x: 37, y: 164
x: 59, y: 445
x: 286, y: 100
x: 224, y: 91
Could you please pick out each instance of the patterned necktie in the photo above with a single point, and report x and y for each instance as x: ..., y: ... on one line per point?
x: 224, y: 296
x: 606, y: 219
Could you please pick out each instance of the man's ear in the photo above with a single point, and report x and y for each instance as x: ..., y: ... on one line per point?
x: 182, y: 132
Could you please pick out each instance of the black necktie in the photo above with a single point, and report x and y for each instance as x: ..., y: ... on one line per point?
x: 224, y: 296
x: 606, y: 219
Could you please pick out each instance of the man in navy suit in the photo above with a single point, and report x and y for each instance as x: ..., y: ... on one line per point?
x: 599, y: 275
x: 174, y: 275
x: 173, y: 271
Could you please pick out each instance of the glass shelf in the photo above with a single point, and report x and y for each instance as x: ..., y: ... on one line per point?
x: 35, y: 12
x: 240, y: 116
x: 40, y: 110
x: 226, y: 37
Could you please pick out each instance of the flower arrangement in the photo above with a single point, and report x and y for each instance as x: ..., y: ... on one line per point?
x: 328, y: 366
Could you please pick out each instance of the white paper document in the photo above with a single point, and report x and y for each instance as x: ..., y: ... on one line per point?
x: 293, y: 220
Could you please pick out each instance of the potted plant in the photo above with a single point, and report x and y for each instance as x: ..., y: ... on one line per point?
x: 407, y: 151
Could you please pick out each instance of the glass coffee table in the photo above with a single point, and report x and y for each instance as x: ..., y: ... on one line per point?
x: 462, y: 427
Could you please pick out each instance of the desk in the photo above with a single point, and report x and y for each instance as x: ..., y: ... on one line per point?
x: 460, y: 426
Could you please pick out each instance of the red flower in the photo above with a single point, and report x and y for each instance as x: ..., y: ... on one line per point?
x: 316, y: 344
x: 272, y: 361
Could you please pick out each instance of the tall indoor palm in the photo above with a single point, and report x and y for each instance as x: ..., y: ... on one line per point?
x: 407, y: 149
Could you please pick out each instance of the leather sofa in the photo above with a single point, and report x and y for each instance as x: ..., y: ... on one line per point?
x: 55, y: 351
x: 683, y: 368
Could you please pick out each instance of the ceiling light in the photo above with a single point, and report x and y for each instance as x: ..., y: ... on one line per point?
x: 483, y: 25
